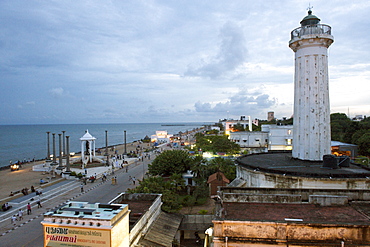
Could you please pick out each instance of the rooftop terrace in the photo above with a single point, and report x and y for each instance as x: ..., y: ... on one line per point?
x: 283, y: 163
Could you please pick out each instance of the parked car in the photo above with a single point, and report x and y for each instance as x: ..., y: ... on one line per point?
x: 14, y: 167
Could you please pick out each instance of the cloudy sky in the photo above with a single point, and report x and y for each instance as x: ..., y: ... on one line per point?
x: 170, y: 61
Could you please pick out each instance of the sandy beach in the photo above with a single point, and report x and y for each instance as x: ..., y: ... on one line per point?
x: 12, y: 181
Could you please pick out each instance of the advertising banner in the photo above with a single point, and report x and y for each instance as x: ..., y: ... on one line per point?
x: 75, y: 237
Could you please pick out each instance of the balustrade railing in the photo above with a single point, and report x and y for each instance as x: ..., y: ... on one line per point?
x: 310, y: 29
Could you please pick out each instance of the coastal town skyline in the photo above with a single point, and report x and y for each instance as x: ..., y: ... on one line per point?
x: 111, y: 62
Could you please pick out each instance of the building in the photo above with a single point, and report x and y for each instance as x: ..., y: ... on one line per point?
x: 280, y: 170
x: 230, y: 123
x: 127, y: 220
x: 270, y: 116
x: 271, y: 137
x: 253, y: 142
x: 310, y: 43
x: 215, y: 180
x: 306, y: 197
x: 291, y: 217
x: 280, y: 137
x: 85, y: 224
x: 161, y: 137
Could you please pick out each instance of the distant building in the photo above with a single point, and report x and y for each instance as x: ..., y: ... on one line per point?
x: 230, y: 123
x: 280, y: 137
x: 161, y: 137
x: 215, y: 180
x: 358, y: 118
x: 272, y: 137
x: 270, y: 116
x: 253, y: 141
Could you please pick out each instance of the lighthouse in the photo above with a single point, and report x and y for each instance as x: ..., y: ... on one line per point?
x: 311, y: 124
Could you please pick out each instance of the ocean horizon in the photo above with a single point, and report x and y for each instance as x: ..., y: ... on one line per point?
x: 29, y: 141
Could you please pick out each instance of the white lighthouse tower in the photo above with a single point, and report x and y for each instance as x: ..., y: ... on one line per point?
x: 311, y: 124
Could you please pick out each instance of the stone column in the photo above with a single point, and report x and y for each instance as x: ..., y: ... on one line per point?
x: 54, y: 163
x: 67, y: 155
x: 48, y: 147
x: 60, y: 152
x: 106, y: 147
x: 125, y: 143
x: 90, y: 151
x: 64, y: 143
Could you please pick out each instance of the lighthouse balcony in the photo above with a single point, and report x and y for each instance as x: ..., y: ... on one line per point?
x: 310, y: 29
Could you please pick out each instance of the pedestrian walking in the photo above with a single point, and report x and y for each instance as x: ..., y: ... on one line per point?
x: 39, y: 203
x: 82, y: 187
x: 14, y: 219
x: 20, y: 214
x: 133, y: 180
x: 29, y: 211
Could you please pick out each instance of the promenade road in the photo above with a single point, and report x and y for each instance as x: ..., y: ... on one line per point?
x: 29, y: 232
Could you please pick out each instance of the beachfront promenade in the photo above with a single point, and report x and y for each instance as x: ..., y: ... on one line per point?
x: 29, y: 232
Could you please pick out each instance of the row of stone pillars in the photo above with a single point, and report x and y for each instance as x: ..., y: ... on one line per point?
x: 63, y: 150
x: 106, y: 146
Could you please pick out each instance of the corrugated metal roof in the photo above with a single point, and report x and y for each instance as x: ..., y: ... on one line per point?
x: 162, y: 231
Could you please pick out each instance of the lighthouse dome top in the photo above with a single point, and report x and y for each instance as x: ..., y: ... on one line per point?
x: 310, y: 19
x: 87, y: 137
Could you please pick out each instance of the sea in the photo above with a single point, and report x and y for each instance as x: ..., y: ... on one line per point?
x: 28, y: 142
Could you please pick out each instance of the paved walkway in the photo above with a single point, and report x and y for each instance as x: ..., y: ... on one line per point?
x: 55, y: 195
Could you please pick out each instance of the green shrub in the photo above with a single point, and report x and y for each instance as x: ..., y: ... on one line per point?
x: 203, y: 212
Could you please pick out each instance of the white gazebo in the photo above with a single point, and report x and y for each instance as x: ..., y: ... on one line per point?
x: 87, y: 138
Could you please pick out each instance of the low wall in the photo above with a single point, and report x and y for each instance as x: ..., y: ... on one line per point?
x: 256, y: 233
x: 255, y: 178
x: 233, y: 193
x: 261, y: 198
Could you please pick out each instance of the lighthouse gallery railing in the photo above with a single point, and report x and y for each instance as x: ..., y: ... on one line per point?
x: 310, y: 29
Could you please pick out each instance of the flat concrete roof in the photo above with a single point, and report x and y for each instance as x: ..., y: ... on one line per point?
x: 85, y: 210
x: 299, y: 213
x: 283, y: 163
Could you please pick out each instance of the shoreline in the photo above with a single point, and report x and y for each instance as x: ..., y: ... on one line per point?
x: 25, y: 177
x: 5, y: 167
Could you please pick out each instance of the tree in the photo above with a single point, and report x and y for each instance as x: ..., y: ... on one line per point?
x: 226, y: 166
x: 238, y: 127
x: 168, y: 188
x: 339, y: 123
x: 364, y: 144
x: 170, y: 162
x: 216, y: 144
